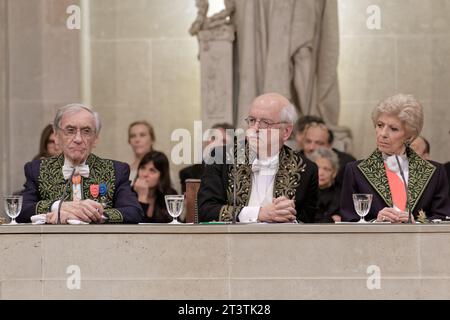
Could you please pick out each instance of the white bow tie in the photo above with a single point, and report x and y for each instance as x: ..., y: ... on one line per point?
x: 82, y: 170
x: 269, y: 166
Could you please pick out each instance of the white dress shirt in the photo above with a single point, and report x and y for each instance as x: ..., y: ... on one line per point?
x: 392, y: 164
x: 263, y: 179
x: 76, y: 188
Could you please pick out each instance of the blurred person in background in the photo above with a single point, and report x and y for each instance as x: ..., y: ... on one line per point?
x: 329, y: 193
x: 152, y: 184
x: 141, y: 137
x: 422, y: 147
x: 218, y: 137
x: 47, y: 146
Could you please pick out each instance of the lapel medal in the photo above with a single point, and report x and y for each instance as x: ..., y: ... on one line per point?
x: 103, y: 190
x: 94, y: 189
x: 76, y: 179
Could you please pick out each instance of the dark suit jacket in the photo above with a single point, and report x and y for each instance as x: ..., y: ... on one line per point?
x: 45, y: 184
x: 160, y: 213
x: 192, y: 172
x: 447, y: 169
x: 329, y: 204
x: 296, y: 177
x: 427, y: 187
x: 344, y: 158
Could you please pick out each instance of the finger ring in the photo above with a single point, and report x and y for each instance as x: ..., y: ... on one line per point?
x: 383, y: 219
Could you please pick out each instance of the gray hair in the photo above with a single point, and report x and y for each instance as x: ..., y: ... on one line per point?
x: 406, y: 108
x: 326, y: 153
x: 74, y: 108
x: 288, y: 114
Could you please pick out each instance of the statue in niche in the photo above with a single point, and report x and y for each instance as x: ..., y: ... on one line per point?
x: 290, y: 47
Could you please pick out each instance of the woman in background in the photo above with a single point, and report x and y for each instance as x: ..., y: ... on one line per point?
x: 47, y: 146
x: 327, y: 162
x: 141, y: 138
x: 152, y: 184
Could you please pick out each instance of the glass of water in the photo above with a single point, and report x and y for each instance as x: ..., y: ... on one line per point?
x: 174, y: 204
x: 13, y: 205
x: 362, y: 203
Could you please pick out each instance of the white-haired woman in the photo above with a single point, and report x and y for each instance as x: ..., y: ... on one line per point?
x: 329, y: 192
x: 399, y: 180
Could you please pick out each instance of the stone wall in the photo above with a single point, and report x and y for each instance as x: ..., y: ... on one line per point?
x: 253, y: 261
x: 409, y: 54
x: 44, y: 73
x: 144, y: 66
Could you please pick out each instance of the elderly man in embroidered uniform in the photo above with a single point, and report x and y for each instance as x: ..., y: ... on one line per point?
x: 78, y: 184
x: 272, y: 182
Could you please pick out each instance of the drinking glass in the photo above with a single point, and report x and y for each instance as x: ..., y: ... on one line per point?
x: 362, y: 203
x: 13, y: 205
x: 174, y: 204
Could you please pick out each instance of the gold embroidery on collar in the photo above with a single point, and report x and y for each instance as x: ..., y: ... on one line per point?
x: 420, y: 173
x: 51, y: 181
x: 288, y: 175
x: 286, y: 182
x: 373, y: 169
x: 240, y: 175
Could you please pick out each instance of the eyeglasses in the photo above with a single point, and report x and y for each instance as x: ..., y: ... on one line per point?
x: 85, y: 133
x: 263, y: 123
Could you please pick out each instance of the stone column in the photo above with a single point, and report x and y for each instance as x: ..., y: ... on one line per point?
x: 216, y: 59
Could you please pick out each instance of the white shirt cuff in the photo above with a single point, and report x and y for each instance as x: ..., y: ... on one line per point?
x: 55, y: 206
x: 249, y: 214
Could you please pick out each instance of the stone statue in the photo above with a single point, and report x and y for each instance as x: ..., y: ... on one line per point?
x: 216, y: 35
x: 290, y: 47
x: 202, y: 22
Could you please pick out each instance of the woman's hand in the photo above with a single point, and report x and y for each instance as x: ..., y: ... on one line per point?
x: 393, y: 215
x: 336, y: 218
x: 141, y: 188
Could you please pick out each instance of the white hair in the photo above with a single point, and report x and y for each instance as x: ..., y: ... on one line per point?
x: 74, y: 108
x: 406, y: 108
x: 288, y: 114
x: 326, y: 153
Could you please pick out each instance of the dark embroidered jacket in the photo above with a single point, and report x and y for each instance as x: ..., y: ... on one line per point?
x: 296, y: 178
x: 427, y: 187
x: 45, y: 185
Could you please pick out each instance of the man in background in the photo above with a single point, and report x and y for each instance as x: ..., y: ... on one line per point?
x: 317, y: 134
x: 218, y: 136
x: 422, y: 147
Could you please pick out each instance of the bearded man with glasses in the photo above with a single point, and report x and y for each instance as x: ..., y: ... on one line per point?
x: 261, y: 179
x: 78, y: 186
